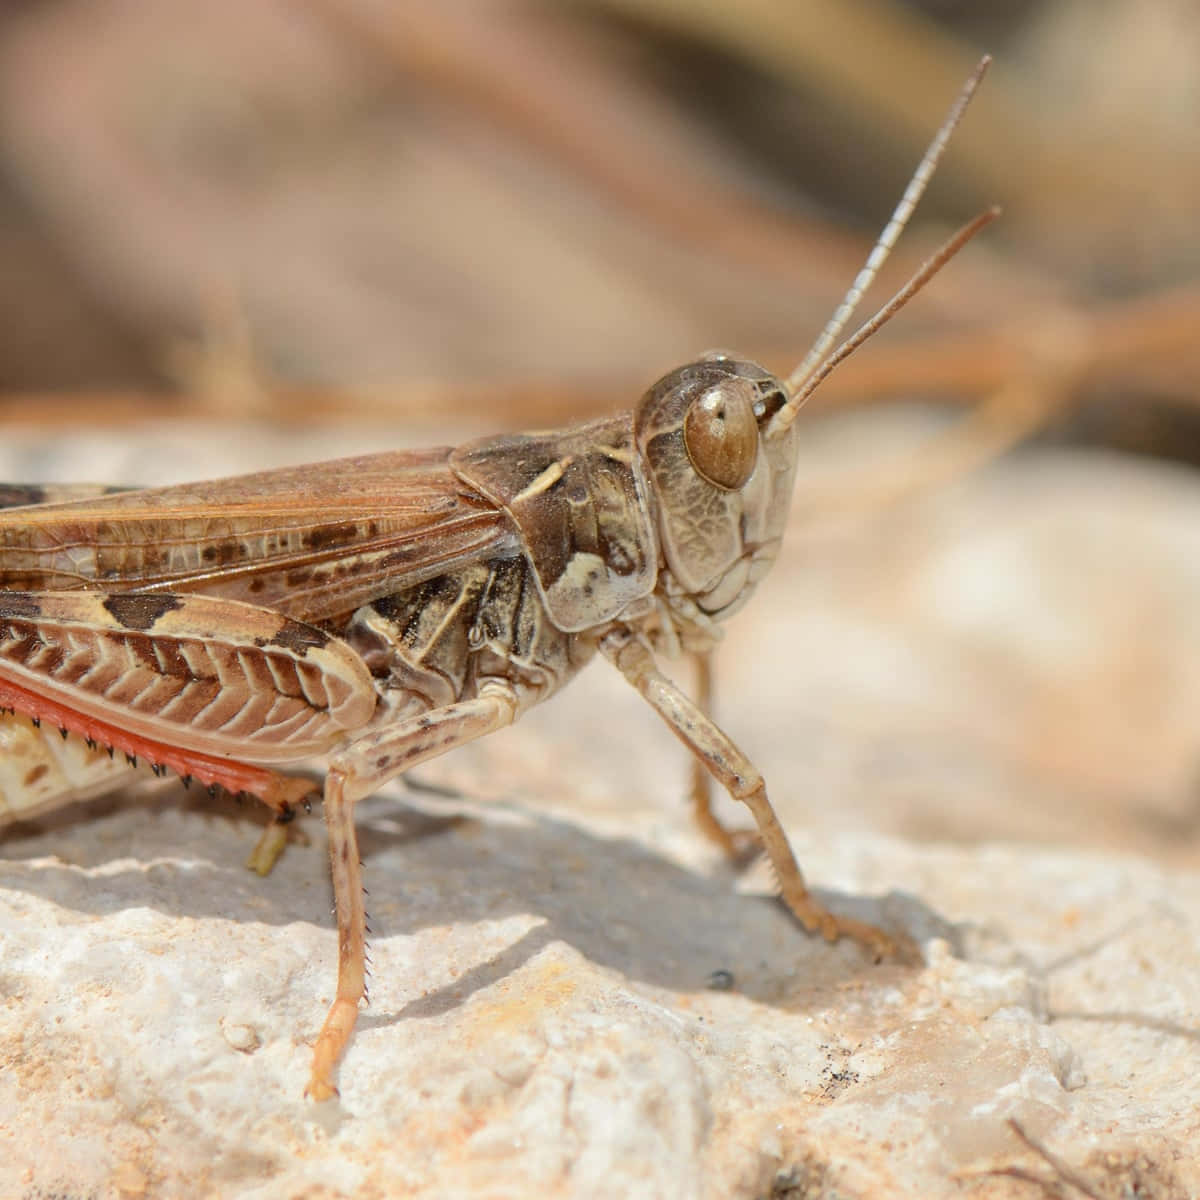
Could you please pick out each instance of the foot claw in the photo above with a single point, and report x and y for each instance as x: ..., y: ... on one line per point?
x: 878, y: 944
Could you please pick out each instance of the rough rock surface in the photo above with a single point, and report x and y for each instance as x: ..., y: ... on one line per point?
x: 543, y: 1020
x: 979, y: 718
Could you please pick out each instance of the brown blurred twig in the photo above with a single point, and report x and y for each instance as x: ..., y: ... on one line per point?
x: 541, y: 81
x: 545, y: 82
x: 894, y: 66
x: 1118, y: 344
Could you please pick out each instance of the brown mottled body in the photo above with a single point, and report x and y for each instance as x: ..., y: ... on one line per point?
x: 380, y: 610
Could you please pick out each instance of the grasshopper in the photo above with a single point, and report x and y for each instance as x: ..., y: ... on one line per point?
x: 383, y: 609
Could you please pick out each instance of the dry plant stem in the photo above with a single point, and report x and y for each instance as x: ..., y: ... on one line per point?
x: 730, y: 767
x: 544, y: 83
x: 1018, y: 408
x: 1015, y: 412
x: 1126, y: 343
x: 901, y: 66
x: 1129, y: 341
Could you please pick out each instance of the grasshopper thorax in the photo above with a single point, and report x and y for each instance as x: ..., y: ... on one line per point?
x: 721, y: 486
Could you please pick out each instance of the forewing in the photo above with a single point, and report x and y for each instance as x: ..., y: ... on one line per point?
x: 312, y: 542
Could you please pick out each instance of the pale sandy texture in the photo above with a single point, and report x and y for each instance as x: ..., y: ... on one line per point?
x: 980, y: 720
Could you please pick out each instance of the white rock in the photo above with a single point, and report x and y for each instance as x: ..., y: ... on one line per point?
x: 513, y: 1046
x: 1003, y: 687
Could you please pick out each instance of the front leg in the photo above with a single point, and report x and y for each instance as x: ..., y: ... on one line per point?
x: 738, y: 775
x: 356, y: 772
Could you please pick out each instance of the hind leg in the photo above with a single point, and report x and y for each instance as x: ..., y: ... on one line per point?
x: 353, y: 774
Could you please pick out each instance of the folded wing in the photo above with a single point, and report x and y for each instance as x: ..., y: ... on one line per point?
x: 313, y: 542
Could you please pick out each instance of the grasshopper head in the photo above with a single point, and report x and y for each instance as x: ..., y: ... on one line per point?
x: 717, y: 438
x: 722, y: 483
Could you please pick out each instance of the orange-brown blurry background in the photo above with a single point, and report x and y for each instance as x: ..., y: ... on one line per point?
x: 314, y: 208
x: 413, y: 220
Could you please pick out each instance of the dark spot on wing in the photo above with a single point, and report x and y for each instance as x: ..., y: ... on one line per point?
x: 223, y: 553
x: 332, y: 535
x: 142, y: 650
x: 298, y: 638
x: 135, y: 610
x: 35, y: 773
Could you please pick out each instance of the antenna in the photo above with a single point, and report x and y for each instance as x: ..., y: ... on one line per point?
x: 796, y: 383
x: 929, y: 268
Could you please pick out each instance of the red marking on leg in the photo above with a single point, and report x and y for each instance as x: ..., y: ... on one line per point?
x: 277, y: 791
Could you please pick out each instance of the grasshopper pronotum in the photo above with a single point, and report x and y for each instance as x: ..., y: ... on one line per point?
x: 383, y: 609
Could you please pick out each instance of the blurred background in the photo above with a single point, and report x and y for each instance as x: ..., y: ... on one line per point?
x: 239, y: 234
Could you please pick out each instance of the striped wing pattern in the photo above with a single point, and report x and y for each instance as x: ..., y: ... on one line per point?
x: 215, y: 676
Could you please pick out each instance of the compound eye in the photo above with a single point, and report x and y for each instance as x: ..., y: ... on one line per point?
x: 720, y: 434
